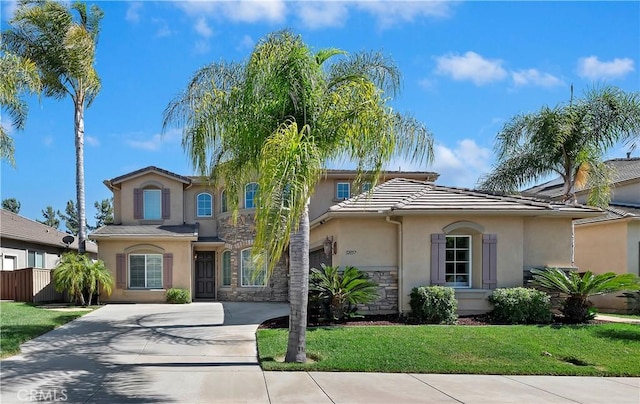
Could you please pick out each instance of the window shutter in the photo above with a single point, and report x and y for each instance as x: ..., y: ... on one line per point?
x: 138, y: 203
x: 167, y: 270
x: 121, y: 271
x: 489, y: 261
x: 438, y: 244
x: 166, y: 204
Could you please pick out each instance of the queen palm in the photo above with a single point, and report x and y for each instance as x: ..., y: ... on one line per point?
x: 569, y: 140
x: 63, y: 50
x: 279, y: 117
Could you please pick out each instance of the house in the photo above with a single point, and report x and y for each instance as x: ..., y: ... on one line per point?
x: 610, y: 242
x: 176, y: 231
x: 25, y: 243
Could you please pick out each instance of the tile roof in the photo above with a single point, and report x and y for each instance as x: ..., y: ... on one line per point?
x: 144, y: 170
x: 16, y: 227
x: 400, y: 195
x: 614, y: 212
x: 146, y: 230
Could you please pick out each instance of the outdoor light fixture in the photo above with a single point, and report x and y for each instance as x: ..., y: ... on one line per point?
x: 329, y: 246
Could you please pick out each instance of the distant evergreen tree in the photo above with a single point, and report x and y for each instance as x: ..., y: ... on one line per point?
x: 11, y: 204
x: 70, y: 218
x: 50, y: 218
x: 104, y: 214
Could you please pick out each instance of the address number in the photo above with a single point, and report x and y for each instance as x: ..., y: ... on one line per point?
x: 351, y: 252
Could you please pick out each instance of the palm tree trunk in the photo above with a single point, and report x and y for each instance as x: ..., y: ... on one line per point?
x: 299, y: 290
x: 79, y: 136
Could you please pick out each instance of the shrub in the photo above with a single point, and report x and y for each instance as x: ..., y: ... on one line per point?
x: 520, y: 306
x: 81, y: 277
x: 433, y: 305
x: 633, y: 301
x: 178, y: 296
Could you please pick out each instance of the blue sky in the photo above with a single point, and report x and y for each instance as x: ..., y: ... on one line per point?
x: 467, y: 68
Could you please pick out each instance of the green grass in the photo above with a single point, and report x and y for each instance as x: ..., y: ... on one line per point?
x: 596, y: 350
x: 20, y: 322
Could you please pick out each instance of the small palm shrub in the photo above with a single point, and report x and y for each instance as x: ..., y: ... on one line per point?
x: 81, y: 277
x: 520, y: 306
x: 633, y: 299
x: 433, y: 305
x: 576, y: 307
x: 178, y: 296
x: 337, y: 294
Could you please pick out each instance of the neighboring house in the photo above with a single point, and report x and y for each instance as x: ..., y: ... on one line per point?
x: 176, y: 231
x: 610, y: 242
x: 25, y: 243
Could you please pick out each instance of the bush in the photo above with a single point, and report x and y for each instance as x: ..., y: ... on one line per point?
x: 520, y: 306
x: 433, y: 305
x: 633, y: 301
x: 178, y: 296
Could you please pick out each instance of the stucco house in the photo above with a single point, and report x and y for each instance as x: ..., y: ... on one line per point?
x: 610, y: 242
x: 176, y: 231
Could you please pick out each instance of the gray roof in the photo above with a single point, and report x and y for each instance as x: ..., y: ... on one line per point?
x: 614, y: 212
x: 145, y: 170
x: 146, y: 230
x: 16, y: 227
x: 624, y: 170
x: 401, y: 195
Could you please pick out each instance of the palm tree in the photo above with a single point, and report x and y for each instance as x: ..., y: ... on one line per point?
x: 569, y: 140
x: 17, y: 75
x: 279, y: 117
x: 579, y: 287
x: 77, y: 275
x: 63, y: 50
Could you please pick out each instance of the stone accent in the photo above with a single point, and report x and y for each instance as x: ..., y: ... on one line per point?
x: 387, y: 302
x: 237, y: 237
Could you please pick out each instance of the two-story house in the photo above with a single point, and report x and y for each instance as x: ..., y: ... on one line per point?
x: 176, y: 231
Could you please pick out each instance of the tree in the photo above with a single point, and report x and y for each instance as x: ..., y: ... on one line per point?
x: 50, y: 218
x: 104, y: 214
x: 17, y: 76
x: 70, y: 218
x: 11, y: 204
x: 579, y: 287
x: 63, y: 51
x: 569, y: 140
x: 81, y: 277
x: 279, y: 117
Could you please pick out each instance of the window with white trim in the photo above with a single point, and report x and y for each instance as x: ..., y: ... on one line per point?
x: 35, y: 259
x: 343, y: 190
x: 250, y: 195
x: 226, y: 268
x: 251, y: 275
x: 152, y: 204
x: 458, y: 261
x: 204, y: 203
x: 145, y: 271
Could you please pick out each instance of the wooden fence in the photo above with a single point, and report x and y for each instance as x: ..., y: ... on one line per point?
x: 28, y: 285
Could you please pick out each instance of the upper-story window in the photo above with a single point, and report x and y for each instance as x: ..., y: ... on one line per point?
x: 223, y: 201
x: 152, y: 204
x: 204, y: 206
x: 366, y: 186
x: 250, y: 194
x: 343, y: 190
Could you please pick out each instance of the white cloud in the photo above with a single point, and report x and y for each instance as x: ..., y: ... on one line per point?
x: 202, y: 28
x: 133, y: 12
x: 393, y: 12
x: 462, y: 165
x: 248, y: 11
x: 92, y: 141
x: 322, y: 14
x: 534, y: 77
x: 246, y: 43
x: 155, y: 142
x: 202, y: 47
x: 472, y: 67
x: 592, y: 68
x: 163, y: 28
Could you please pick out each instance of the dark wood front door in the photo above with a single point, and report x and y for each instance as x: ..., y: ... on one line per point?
x: 205, y: 276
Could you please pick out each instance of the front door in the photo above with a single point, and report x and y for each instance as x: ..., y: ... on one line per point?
x: 205, y: 276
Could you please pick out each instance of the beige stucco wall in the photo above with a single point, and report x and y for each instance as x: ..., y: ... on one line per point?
x: 176, y: 198
x: 207, y: 224
x: 626, y: 193
x: 182, y: 266
x: 324, y: 196
x: 547, y: 242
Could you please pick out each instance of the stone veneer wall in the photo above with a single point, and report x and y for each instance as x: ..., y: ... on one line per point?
x: 238, y: 237
x: 387, y: 302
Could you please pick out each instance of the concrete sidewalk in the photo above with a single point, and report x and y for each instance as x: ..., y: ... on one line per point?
x: 206, y: 353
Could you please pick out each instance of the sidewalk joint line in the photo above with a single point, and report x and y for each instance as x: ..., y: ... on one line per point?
x: 320, y: 387
x: 435, y: 388
x: 541, y: 389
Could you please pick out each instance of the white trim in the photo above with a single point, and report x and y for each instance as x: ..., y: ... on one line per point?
x: 253, y: 197
x: 146, y: 281
x: 198, y: 204
x: 469, y: 261
x: 242, y: 270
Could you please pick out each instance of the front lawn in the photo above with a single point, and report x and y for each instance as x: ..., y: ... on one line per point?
x: 594, y: 350
x: 20, y: 322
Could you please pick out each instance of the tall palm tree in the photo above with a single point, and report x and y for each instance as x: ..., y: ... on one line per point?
x: 569, y: 140
x: 17, y: 75
x: 63, y: 49
x: 280, y: 117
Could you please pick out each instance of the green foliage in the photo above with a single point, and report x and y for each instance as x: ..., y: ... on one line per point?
x: 104, y: 212
x: 433, y: 305
x: 70, y: 217
x: 50, y: 218
x: 77, y: 275
x: 178, y: 296
x: 578, y: 287
x: 633, y: 299
x: 338, y: 293
x: 520, y: 306
x: 11, y: 204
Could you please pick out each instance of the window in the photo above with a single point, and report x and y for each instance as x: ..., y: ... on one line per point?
x: 366, y: 186
x: 458, y: 261
x: 250, y: 194
x: 223, y: 201
x: 35, y: 259
x: 343, y: 190
x: 152, y: 204
x: 251, y: 275
x: 226, y: 268
x: 145, y: 271
x: 204, y: 206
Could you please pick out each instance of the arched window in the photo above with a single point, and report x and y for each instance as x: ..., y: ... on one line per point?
x: 250, y: 195
x: 223, y: 201
x: 226, y: 268
x: 251, y: 274
x: 204, y: 205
